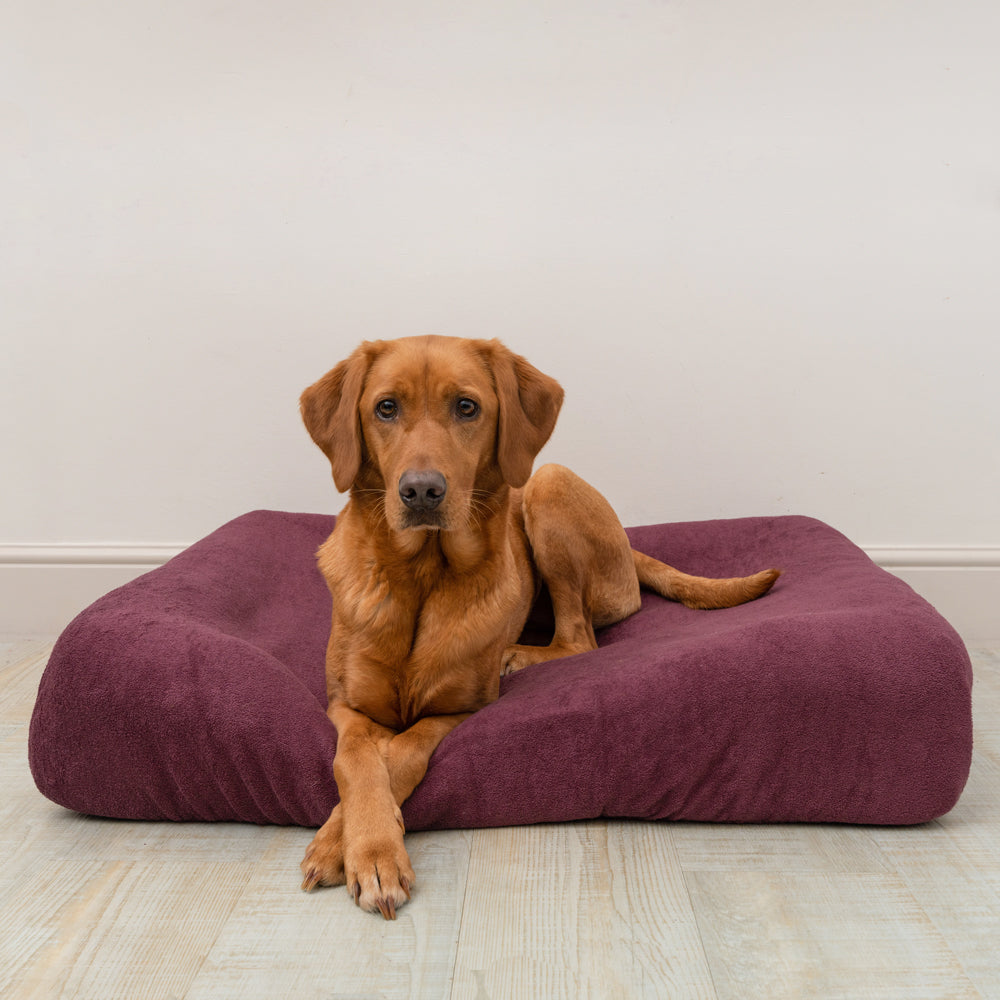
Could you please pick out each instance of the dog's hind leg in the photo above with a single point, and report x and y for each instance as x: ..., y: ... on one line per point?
x: 582, y: 554
x: 593, y: 575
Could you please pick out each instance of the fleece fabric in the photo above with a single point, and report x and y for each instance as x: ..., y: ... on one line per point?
x: 196, y: 692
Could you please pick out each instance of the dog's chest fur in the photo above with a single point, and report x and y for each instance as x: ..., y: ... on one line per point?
x: 403, y: 647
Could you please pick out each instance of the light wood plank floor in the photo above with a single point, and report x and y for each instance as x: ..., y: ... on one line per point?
x: 105, y: 909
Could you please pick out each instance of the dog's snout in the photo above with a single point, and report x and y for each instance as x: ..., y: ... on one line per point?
x: 422, y: 489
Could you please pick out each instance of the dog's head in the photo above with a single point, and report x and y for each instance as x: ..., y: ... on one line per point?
x: 436, y: 425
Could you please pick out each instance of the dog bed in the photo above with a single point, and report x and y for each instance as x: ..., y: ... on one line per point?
x: 196, y: 692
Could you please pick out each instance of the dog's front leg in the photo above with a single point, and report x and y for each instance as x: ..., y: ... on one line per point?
x: 376, y: 867
x: 406, y: 757
x: 323, y: 863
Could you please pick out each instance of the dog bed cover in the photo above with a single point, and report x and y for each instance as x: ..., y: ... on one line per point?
x: 197, y: 692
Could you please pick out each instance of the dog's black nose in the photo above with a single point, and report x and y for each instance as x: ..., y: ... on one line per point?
x: 422, y: 489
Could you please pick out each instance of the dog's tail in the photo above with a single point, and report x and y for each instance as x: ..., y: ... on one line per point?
x: 701, y: 591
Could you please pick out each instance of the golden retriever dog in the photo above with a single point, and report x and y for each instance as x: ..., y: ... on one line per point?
x: 434, y: 564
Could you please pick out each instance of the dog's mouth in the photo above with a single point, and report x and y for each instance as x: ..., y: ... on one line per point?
x: 425, y: 520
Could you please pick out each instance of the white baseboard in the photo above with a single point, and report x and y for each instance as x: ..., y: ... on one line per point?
x: 935, y: 557
x: 962, y: 583
x: 42, y: 587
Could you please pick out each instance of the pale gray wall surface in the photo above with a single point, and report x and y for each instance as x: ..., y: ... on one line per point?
x: 758, y: 244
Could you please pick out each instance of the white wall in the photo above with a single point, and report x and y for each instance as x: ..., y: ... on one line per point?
x: 758, y: 243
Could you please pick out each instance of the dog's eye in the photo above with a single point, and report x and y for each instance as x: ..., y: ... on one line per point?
x: 386, y: 409
x: 467, y: 408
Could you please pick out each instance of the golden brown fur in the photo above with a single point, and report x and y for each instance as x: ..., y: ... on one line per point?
x: 434, y: 565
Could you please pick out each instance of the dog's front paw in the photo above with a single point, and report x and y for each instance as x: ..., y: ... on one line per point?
x: 379, y: 875
x: 323, y: 863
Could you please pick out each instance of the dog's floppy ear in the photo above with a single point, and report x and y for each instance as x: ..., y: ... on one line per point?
x: 529, y: 405
x: 330, y: 413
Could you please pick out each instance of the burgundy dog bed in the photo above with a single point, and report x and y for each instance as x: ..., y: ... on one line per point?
x: 196, y: 692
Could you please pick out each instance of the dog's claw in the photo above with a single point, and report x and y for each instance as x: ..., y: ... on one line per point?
x: 356, y: 893
x: 311, y: 880
x: 387, y: 908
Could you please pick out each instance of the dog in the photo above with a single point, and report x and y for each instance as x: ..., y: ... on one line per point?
x: 434, y: 565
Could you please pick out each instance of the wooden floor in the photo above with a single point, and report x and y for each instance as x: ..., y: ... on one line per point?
x: 105, y: 909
